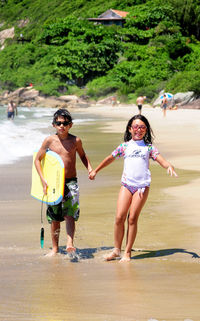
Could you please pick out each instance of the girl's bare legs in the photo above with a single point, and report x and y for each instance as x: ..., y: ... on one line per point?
x: 123, y: 204
x: 135, y: 209
x: 70, y: 228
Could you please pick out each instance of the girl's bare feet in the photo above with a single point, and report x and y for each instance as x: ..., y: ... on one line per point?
x: 126, y: 257
x: 114, y: 255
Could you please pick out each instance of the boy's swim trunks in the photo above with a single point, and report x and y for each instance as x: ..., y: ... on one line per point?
x: 69, y: 205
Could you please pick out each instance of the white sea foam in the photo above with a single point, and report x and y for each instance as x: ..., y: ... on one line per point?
x: 22, y: 116
x: 85, y: 120
x: 18, y: 141
x: 19, y: 138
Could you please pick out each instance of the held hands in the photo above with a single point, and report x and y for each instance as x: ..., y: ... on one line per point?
x: 92, y: 175
x: 171, y: 171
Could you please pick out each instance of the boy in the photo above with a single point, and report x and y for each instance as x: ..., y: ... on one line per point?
x: 66, y: 145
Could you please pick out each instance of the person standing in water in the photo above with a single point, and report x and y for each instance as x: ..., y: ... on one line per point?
x: 11, y: 110
x: 67, y: 146
x: 136, y: 178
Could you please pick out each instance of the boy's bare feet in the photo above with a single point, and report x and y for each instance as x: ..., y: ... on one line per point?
x: 114, y: 255
x: 71, y: 249
x: 52, y: 253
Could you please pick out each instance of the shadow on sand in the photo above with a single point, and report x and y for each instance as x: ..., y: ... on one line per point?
x: 84, y: 254
x: 88, y: 253
x: 160, y: 253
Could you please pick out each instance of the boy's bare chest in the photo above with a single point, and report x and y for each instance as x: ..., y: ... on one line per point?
x: 66, y: 148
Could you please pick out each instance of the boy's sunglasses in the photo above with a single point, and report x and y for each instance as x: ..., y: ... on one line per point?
x: 64, y: 123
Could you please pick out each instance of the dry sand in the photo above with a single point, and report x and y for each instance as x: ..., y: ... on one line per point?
x: 178, y: 132
x: 162, y: 280
x: 177, y: 137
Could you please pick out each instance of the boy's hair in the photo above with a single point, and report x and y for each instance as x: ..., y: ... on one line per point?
x: 62, y: 113
x: 148, y: 138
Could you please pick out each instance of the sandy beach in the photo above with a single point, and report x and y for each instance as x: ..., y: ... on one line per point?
x: 162, y: 280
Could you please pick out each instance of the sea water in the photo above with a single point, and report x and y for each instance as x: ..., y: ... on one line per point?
x: 23, y: 135
x: 39, y: 288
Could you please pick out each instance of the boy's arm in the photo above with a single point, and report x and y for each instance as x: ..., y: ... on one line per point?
x: 85, y: 160
x: 107, y: 161
x: 40, y: 155
x: 165, y: 164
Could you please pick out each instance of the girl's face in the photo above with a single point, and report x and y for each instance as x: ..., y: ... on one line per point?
x: 138, y: 129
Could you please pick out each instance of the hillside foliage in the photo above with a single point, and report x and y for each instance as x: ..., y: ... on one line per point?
x: 58, y: 50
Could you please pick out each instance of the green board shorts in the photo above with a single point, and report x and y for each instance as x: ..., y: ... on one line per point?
x: 69, y: 205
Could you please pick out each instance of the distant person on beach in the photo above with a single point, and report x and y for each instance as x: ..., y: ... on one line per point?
x: 137, y: 149
x: 114, y: 101
x: 140, y: 101
x: 66, y: 145
x: 164, y: 104
x: 11, y: 110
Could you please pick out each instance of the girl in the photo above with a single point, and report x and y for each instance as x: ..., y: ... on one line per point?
x: 135, y: 182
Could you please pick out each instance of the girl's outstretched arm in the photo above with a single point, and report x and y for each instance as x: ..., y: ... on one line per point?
x: 165, y: 164
x: 107, y: 161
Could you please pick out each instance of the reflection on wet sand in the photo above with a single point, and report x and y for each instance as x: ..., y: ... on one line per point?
x: 160, y: 283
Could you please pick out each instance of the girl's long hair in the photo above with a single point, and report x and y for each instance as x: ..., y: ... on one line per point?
x: 149, y: 136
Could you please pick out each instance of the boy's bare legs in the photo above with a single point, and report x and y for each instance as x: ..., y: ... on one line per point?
x: 123, y: 204
x: 135, y: 209
x: 55, y: 232
x: 70, y: 228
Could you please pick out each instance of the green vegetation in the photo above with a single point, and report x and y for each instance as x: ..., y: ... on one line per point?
x: 60, y: 52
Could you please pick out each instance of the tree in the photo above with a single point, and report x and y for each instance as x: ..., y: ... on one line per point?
x: 188, y: 15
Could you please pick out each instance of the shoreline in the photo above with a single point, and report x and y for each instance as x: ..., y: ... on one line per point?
x: 164, y: 267
x: 30, y: 97
x: 176, y: 136
x: 177, y: 140
x: 168, y: 131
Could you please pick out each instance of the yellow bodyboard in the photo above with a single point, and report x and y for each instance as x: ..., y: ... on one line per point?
x: 54, y: 173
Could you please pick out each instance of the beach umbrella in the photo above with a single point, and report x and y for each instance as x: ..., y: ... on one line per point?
x: 168, y: 95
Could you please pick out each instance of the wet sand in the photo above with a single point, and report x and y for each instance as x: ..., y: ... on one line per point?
x: 162, y: 280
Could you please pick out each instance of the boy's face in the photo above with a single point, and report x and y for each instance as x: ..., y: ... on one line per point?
x: 62, y: 125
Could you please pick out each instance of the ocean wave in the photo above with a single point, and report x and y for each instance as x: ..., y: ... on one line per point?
x: 19, y: 138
